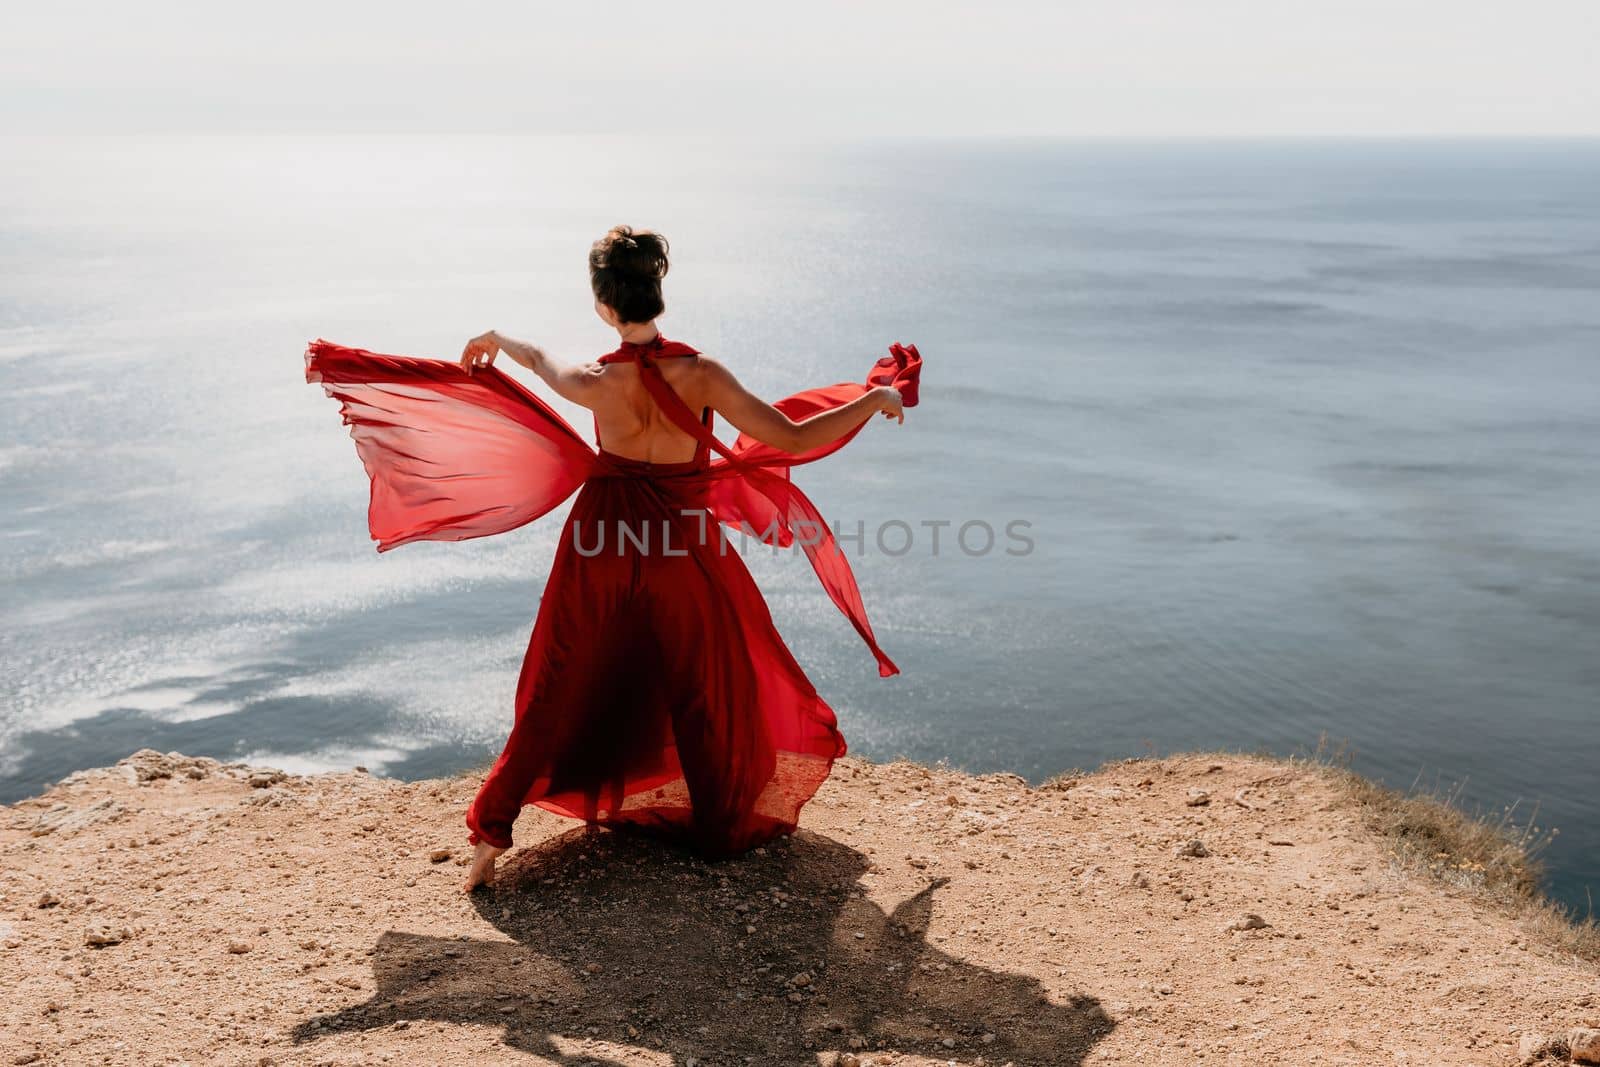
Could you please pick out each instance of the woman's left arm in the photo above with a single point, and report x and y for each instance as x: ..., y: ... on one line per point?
x: 571, y: 383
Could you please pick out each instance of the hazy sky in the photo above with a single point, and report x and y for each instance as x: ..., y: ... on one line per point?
x: 1102, y: 68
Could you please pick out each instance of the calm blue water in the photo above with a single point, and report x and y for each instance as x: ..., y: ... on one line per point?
x: 1308, y: 436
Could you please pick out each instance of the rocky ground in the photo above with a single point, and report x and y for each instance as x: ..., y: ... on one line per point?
x: 1209, y: 908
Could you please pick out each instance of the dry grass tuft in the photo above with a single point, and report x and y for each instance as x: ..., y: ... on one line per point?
x: 1496, y: 858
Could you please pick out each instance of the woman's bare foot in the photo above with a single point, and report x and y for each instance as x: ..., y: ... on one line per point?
x: 482, y: 870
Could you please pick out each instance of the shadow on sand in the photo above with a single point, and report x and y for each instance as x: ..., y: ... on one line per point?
x: 618, y: 942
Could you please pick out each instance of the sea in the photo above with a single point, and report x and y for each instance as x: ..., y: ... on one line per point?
x: 1284, y: 446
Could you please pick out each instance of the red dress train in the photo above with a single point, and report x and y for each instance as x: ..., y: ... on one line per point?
x: 656, y: 692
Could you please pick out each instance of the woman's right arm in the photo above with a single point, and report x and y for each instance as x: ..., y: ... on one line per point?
x: 751, y: 415
x: 574, y: 383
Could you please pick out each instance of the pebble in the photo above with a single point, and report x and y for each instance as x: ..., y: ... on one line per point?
x: 239, y: 948
x: 67, y: 817
x: 1531, y: 1045
x: 101, y: 936
x: 1195, y: 848
x: 438, y: 855
x: 1248, y: 921
x: 1583, y: 1045
x: 1198, y: 798
x: 48, y: 899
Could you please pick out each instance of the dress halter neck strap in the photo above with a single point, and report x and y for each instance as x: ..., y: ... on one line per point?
x: 658, y: 347
x: 644, y: 354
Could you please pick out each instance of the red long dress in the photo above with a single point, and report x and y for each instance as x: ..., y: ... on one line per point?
x: 655, y: 692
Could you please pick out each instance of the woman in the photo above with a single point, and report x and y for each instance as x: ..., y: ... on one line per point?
x: 655, y: 692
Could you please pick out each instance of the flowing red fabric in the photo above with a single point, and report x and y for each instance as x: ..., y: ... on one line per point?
x: 655, y: 692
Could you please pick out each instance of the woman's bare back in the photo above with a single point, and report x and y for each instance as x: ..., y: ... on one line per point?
x: 631, y: 424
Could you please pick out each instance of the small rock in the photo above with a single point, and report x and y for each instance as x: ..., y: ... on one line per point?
x: 1164, y: 989
x: 1140, y: 880
x: 1583, y: 1044
x: 48, y: 899
x: 263, y: 779
x: 1195, y: 848
x: 1532, y: 1045
x: 26, y: 1057
x: 1198, y: 798
x: 847, y: 1059
x: 101, y: 936
x: 64, y: 817
x: 147, y: 765
x: 439, y: 855
x: 593, y: 968
x: 1247, y: 921
x: 239, y: 948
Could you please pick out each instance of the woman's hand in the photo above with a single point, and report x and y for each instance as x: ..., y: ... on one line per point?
x: 480, y: 351
x: 889, y: 402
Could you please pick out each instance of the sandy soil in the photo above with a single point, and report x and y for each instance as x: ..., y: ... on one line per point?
x: 175, y: 910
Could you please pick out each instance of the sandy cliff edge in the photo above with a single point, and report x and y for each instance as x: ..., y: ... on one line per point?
x: 1217, y: 908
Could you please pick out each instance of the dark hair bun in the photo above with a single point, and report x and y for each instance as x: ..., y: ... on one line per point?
x: 625, y: 270
x: 641, y: 254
